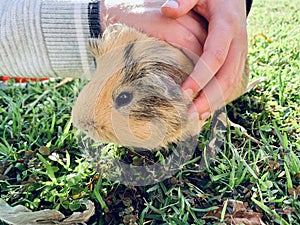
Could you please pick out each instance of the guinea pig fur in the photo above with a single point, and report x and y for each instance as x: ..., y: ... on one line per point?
x: 134, y: 97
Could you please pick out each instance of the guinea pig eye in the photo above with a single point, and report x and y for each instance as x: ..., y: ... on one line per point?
x: 123, y: 99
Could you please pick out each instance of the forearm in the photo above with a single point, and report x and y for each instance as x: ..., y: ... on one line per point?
x: 47, y: 38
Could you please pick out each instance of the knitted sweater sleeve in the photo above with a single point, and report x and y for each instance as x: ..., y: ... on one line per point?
x: 47, y: 38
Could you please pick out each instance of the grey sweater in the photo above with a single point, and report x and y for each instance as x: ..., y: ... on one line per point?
x: 47, y: 38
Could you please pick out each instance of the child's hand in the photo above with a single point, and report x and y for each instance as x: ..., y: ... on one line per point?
x: 219, y: 69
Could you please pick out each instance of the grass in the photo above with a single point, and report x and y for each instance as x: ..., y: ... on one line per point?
x: 41, y: 165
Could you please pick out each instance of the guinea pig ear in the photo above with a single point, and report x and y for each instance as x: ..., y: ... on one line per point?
x: 172, y: 89
x: 95, y: 47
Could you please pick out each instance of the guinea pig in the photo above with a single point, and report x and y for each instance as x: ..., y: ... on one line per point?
x: 134, y: 97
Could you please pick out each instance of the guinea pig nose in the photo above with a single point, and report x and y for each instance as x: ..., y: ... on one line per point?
x: 124, y: 98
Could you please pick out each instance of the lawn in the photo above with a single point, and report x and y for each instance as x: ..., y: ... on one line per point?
x: 254, y: 179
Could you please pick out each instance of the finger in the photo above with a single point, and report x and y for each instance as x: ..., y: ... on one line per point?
x: 198, y: 26
x: 214, y: 54
x: 225, y: 86
x: 190, y: 30
x: 197, y: 80
x: 177, y: 8
x: 240, y: 84
x: 185, y: 39
x: 209, y: 99
x: 194, y: 30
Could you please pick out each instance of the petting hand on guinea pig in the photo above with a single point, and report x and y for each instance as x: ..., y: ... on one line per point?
x: 134, y: 98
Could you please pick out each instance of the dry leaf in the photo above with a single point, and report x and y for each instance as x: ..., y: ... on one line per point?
x: 246, y: 221
x: 20, y: 215
x: 239, y: 214
x: 243, y: 216
x: 80, y: 217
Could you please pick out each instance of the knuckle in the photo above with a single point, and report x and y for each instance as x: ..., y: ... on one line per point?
x: 220, y: 55
x: 189, y: 38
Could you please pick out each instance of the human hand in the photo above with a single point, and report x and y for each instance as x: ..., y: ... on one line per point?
x: 218, y: 72
x: 187, y: 32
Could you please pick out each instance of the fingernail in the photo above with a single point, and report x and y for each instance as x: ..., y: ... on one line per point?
x: 171, y: 4
x: 204, y: 116
x: 188, y: 94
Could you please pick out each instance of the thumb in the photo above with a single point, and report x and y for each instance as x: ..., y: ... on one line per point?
x: 177, y: 8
